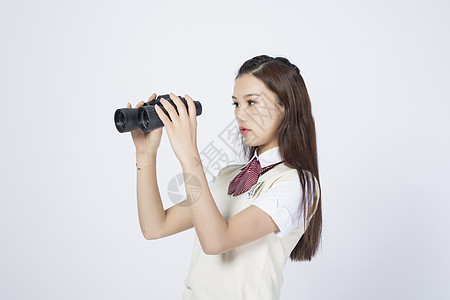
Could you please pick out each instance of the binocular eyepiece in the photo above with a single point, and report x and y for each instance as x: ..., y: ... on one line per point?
x: 145, y: 117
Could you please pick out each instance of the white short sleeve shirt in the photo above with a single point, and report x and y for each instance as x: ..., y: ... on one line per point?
x: 282, y: 201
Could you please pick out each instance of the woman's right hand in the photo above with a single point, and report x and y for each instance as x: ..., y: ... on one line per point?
x: 146, y: 142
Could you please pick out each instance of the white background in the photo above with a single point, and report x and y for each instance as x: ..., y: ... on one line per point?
x: 377, y: 74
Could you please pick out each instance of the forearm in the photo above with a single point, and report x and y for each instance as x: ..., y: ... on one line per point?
x: 209, y: 223
x: 150, y: 209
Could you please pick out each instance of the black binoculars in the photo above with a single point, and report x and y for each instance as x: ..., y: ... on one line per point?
x: 145, y: 117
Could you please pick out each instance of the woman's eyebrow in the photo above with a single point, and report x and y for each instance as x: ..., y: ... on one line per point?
x: 247, y: 95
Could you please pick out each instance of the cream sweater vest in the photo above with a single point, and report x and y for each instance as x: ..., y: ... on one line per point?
x: 249, y: 272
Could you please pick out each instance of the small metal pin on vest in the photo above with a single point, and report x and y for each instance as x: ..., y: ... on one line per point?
x: 253, y: 189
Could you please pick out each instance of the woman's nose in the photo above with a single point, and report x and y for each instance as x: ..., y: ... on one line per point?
x: 240, y: 115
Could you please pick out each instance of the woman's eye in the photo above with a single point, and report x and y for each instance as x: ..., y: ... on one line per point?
x: 250, y: 102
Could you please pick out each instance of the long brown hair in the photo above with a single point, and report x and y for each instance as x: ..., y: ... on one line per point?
x: 296, y: 140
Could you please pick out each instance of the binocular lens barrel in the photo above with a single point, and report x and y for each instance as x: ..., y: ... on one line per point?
x: 146, y: 122
x: 126, y: 119
x: 145, y: 117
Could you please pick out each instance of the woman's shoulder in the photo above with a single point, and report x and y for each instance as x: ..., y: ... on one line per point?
x: 282, y: 172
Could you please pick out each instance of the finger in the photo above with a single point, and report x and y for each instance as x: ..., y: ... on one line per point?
x: 170, y: 109
x: 140, y: 104
x: 128, y: 105
x: 191, y: 107
x: 180, y: 105
x: 152, y: 97
x: 166, y: 121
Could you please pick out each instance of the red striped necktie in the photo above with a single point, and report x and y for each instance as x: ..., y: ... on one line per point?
x: 248, y: 177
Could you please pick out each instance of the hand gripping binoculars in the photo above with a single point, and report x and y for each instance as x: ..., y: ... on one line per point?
x: 145, y: 117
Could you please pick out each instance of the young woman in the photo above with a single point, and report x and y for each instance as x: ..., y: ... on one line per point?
x: 254, y: 216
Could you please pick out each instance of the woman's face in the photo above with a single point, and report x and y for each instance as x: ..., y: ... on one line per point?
x: 256, y: 109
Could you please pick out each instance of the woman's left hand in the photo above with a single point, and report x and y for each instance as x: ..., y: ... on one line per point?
x: 182, y: 130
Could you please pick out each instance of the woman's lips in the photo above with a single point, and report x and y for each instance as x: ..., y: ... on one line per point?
x: 244, y: 130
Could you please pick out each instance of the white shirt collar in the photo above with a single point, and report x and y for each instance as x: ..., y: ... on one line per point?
x: 269, y: 157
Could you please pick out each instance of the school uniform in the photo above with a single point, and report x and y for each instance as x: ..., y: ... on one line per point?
x: 252, y: 271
